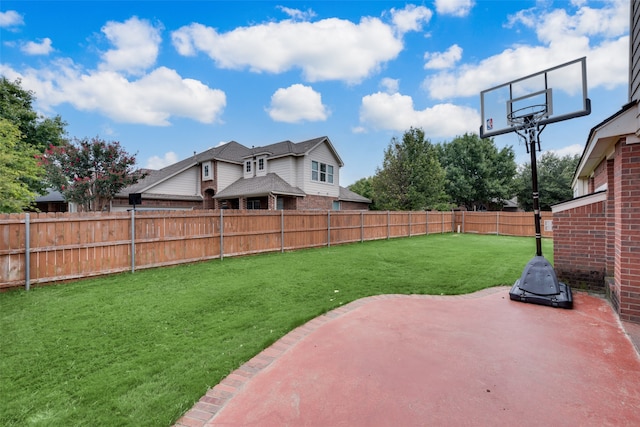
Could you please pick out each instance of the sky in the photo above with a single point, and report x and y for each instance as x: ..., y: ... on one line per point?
x: 167, y: 78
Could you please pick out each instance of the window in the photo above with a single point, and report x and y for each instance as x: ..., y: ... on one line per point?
x: 280, y: 203
x: 207, y: 170
x: 321, y: 172
x: 247, y: 166
x: 253, y: 204
x: 260, y: 164
x: 336, y: 205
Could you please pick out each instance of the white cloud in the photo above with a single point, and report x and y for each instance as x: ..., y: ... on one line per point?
x: 34, y: 48
x: 564, y: 38
x: 397, y: 112
x: 153, y: 98
x: 297, y: 103
x: 570, y: 150
x: 10, y: 19
x: 390, y: 85
x: 136, y: 43
x: 157, y: 162
x: 410, y: 18
x: 298, y: 15
x: 454, y: 7
x: 443, y: 60
x: 348, y: 52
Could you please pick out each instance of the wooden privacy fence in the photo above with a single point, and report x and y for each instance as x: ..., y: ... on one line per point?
x: 40, y: 248
x: 502, y: 223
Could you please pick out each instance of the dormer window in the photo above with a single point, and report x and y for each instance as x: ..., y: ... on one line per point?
x: 261, y: 164
x: 247, y: 166
x: 207, y: 171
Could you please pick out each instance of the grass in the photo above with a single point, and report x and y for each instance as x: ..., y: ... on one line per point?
x: 139, y: 349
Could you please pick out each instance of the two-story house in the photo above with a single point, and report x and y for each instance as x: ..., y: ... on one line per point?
x: 284, y: 175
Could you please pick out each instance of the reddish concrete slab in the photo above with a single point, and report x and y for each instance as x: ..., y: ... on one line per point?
x: 472, y: 360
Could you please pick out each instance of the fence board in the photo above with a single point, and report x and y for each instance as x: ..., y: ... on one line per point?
x: 66, y: 246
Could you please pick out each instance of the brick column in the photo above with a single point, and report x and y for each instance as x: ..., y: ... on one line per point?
x: 627, y: 229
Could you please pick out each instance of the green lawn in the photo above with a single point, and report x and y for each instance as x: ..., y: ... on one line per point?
x: 139, y: 349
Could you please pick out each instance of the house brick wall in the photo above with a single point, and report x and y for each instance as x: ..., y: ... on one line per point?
x: 315, y: 203
x: 627, y: 229
x: 580, y: 244
x: 354, y: 206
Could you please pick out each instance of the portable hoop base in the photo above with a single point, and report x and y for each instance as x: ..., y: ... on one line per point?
x: 539, y: 285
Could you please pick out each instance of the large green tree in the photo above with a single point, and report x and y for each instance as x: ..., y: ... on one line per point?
x: 478, y: 175
x: 555, y: 174
x: 90, y: 172
x: 411, y: 177
x: 36, y: 130
x: 18, y: 166
x: 364, y: 187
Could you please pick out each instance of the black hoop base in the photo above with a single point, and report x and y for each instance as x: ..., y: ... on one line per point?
x: 539, y: 285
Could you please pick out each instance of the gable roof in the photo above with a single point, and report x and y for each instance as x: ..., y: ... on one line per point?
x: 347, y: 195
x: 271, y: 183
x: 605, y: 135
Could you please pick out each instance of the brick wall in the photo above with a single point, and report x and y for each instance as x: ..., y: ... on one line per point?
x: 315, y: 203
x: 627, y: 229
x: 580, y: 244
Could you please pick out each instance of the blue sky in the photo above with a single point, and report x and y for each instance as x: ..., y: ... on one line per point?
x: 167, y: 78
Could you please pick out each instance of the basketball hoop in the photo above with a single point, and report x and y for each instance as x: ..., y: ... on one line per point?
x: 526, y: 117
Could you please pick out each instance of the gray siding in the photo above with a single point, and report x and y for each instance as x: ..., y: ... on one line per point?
x: 634, y: 54
x: 186, y: 183
x: 321, y: 154
x: 228, y: 173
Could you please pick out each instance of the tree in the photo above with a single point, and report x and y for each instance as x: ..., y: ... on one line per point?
x: 16, y: 106
x: 89, y: 172
x: 18, y: 166
x: 411, y: 177
x: 477, y: 173
x: 36, y: 131
x: 554, y: 181
x: 364, y: 187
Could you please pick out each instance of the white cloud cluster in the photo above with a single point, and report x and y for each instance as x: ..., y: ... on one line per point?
x: 157, y: 162
x: 329, y: 49
x: 443, y: 60
x: 298, y: 15
x: 10, y: 19
x: 135, y: 46
x: 397, y: 112
x: 564, y: 38
x: 454, y: 7
x: 297, y: 103
x: 410, y: 18
x: 152, y: 98
x: 38, y: 48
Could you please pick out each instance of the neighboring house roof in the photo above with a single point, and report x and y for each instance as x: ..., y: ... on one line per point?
x: 347, y: 195
x: 231, y: 152
x: 51, y: 197
x: 604, y: 135
x: 271, y: 183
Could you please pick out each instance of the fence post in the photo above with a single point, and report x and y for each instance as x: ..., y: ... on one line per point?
x: 328, y: 228
x: 221, y: 234
x: 133, y: 240
x: 361, y: 226
x: 442, y: 221
x: 388, y: 225
x: 463, y: 230
x: 426, y: 218
x: 282, y: 231
x: 27, y: 252
x: 497, y: 223
x: 409, y: 223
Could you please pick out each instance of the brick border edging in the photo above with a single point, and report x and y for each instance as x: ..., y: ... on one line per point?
x: 209, y: 405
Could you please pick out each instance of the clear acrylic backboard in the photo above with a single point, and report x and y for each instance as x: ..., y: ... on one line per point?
x: 558, y: 93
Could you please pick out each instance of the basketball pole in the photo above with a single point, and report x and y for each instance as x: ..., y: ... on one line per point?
x: 533, y: 137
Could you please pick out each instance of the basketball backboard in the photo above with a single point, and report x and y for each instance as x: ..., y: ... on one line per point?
x: 556, y: 94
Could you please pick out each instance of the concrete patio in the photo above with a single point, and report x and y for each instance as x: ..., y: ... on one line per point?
x: 472, y: 360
